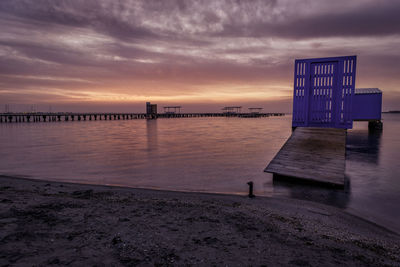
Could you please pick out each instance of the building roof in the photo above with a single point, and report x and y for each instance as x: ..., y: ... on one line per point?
x: 362, y: 91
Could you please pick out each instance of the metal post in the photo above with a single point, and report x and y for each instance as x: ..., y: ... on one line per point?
x: 251, y: 195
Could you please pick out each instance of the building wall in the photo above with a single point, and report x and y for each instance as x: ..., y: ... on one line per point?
x: 367, y: 106
x: 153, y: 109
x: 323, y: 92
x: 148, y: 108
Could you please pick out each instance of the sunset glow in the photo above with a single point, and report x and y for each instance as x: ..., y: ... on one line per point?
x: 76, y: 55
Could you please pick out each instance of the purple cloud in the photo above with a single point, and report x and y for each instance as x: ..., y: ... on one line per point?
x: 191, y: 48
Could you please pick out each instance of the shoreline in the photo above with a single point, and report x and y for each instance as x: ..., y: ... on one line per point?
x: 48, y: 222
x: 353, y: 212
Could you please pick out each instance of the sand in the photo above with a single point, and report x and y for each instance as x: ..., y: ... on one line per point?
x: 52, y: 223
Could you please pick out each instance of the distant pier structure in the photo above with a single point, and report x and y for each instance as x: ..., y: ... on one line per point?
x: 232, y: 110
x: 151, y: 113
x: 172, y: 109
x: 255, y: 110
x: 325, y: 104
x: 253, y: 113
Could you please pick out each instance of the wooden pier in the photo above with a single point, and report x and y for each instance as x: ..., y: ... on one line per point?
x: 56, y: 117
x: 312, y: 154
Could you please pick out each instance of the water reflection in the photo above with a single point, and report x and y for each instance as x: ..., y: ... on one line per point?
x: 363, y: 145
x: 312, y: 191
x: 152, y: 136
x: 203, y: 154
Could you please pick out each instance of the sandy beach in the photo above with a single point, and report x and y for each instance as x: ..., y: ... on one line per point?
x: 52, y: 223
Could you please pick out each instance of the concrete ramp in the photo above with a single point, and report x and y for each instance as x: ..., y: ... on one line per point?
x: 313, y: 154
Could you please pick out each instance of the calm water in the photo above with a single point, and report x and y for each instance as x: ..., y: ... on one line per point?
x: 202, y: 154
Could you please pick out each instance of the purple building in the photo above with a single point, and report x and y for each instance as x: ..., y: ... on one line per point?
x: 367, y: 104
x: 325, y: 96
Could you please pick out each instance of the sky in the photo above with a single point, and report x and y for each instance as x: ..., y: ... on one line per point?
x: 110, y: 55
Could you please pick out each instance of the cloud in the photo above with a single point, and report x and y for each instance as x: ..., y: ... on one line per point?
x: 188, y: 49
x: 367, y: 19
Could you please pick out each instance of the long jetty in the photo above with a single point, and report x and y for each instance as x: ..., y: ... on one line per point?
x: 56, y: 117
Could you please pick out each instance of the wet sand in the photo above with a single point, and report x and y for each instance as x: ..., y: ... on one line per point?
x: 52, y: 223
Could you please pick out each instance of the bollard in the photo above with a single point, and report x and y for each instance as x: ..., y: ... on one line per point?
x: 251, y: 195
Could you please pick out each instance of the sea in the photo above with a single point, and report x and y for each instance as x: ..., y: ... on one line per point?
x: 212, y: 155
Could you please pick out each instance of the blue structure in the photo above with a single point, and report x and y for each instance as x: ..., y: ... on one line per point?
x: 367, y: 104
x: 324, y: 92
